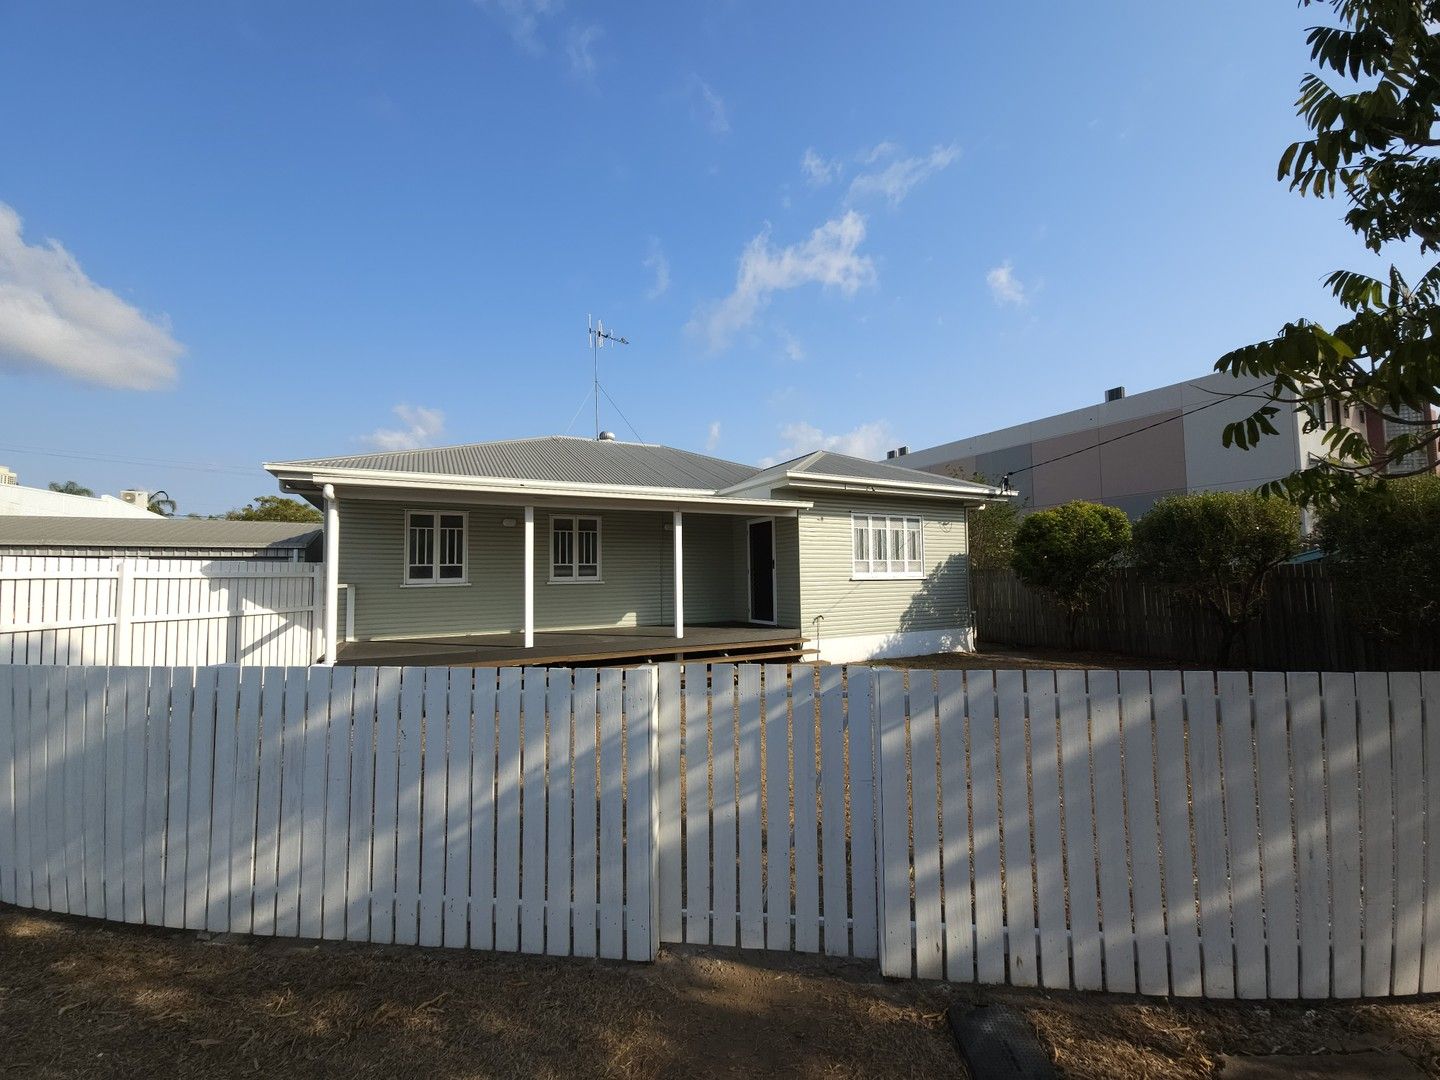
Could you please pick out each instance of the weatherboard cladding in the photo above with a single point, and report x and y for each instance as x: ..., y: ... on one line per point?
x: 939, y: 601
x: 555, y: 459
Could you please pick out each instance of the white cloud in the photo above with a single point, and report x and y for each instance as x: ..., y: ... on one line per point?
x: 712, y: 437
x: 580, y: 47
x: 53, y: 316
x: 900, y: 176
x: 868, y: 441
x: 818, y: 170
x: 522, y: 18
x: 829, y: 257
x: 791, y: 347
x: 717, y: 116
x: 422, y: 426
x: 1005, y: 287
x: 656, y: 262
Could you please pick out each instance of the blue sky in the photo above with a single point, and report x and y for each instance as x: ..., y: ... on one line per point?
x: 234, y: 232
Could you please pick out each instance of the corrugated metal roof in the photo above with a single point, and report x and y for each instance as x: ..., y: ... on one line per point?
x: 824, y: 463
x: 553, y: 459
x: 157, y: 532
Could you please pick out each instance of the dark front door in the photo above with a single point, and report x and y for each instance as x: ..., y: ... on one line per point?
x: 762, y: 571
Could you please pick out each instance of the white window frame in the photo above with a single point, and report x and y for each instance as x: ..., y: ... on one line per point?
x: 436, y: 582
x: 902, y: 569
x: 575, y: 578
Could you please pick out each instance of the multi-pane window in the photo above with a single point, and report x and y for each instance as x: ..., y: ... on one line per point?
x: 886, y: 546
x: 434, y: 548
x: 574, y: 549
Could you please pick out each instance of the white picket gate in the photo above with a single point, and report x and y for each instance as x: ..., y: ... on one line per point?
x: 1197, y: 834
x: 60, y: 610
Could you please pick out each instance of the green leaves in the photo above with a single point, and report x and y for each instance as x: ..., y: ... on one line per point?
x: 1375, y: 137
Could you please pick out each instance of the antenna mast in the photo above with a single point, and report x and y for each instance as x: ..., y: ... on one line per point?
x: 598, y: 337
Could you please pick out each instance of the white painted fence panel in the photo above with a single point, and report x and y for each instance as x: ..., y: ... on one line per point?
x: 205, y: 835
x: 1196, y: 834
x: 86, y: 611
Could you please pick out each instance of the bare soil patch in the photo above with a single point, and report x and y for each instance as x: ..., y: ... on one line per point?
x: 82, y: 998
x: 1006, y: 657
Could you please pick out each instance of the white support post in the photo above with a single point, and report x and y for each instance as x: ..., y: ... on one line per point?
x: 679, y: 577
x: 529, y: 577
x: 124, y: 612
x: 332, y: 573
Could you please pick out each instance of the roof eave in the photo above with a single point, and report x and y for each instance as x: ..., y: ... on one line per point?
x: 520, y: 489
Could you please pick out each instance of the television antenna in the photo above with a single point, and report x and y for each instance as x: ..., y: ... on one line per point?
x: 598, y: 337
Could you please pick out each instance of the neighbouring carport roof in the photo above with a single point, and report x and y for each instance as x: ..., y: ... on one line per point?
x: 169, y: 534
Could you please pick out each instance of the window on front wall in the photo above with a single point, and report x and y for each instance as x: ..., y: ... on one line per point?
x: 886, y: 547
x: 434, y: 547
x: 575, y: 549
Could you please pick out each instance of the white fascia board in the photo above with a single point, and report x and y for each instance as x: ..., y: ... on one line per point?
x: 812, y: 482
x: 519, y: 490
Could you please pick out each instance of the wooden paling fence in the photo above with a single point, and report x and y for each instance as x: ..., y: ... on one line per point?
x: 60, y: 610
x: 1197, y: 834
x: 1301, y: 627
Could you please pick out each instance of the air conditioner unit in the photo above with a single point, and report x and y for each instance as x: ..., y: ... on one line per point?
x: 135, y: 497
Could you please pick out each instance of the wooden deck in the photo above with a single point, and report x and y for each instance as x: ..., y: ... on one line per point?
x: 612, y: 645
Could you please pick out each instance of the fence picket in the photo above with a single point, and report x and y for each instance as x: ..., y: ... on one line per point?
x: 777, y: 808
x: 724, y: 904
x: 751, y: 824
x: 668, y: 813
x: 1277, y: 840
x: 985, y: 811
x: 385, y: 847
x: 1080, y: 868
x: 860, y: 726
x: 318, y: 688
x: 832, y: 810
x: 222, y: 800
x: 430, y: 929
x: 1377, y: 830
x: 242, y: 823
x: 1311, y: 841
x: 925, y: 828
x: 1409, y: 831
x: 507, y: 813
x: 1342, y: 789
x: 94, y: 802
x: 292, y: 807
x: 182, y: 704
x: 1217, y: 958
x: 558, y: 821
x: 640, y: 939
x: 958, y: 918
x: 267, y: 801
x: 697, y: 806
x: 1045, y: 813
x: 1182, y: 934
x: 896, y: 956
x: 409, y: 811
x: 1237, y: 751
x: 339, y: 754
x: 459, y: 810
x: 807, y: 857
x: 612, y: 817
x: 587, y: 811
x: 1118, y: 939
x: 482, y: 807
x: 1015, y: 828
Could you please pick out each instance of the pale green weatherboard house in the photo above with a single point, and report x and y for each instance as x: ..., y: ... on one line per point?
x: 562, y: 549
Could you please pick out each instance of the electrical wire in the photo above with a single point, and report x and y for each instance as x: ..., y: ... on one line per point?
x: 196, y: 466
x: 1005, y: 481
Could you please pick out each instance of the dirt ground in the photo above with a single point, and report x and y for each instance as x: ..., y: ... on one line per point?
x: 80, y: 998
x: 1005, y: 657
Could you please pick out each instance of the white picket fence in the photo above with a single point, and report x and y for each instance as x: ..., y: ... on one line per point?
x: 1197, y: 834
x: 159, y: 611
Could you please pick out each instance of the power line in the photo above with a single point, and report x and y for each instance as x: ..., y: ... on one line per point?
x: 1005, y: 480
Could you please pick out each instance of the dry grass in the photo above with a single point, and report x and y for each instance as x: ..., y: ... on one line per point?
x: 1107, y: 1037
x: 1004, y: 657
x: 80, y: 998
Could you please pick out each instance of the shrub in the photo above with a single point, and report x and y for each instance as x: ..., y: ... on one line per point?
x: 1070, y: 553
x: 1219, y: 550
